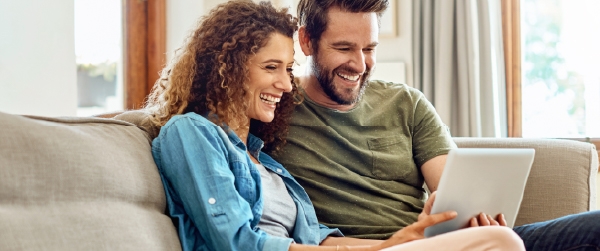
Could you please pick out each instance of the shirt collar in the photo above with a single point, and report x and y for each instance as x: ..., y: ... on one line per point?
x: 254, y: 146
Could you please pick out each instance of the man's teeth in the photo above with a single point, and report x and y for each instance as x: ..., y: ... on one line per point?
x: 269, y: 99
x: 349, y: 77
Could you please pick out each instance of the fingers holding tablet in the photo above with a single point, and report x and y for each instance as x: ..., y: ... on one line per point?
x: 487, y: 220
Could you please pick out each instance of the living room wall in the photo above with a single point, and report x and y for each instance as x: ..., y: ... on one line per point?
x: 183, y: 14
x: 37, y: 58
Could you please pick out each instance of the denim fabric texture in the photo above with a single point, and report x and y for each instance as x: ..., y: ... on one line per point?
x: 576, y: 232
x: 213, y: 189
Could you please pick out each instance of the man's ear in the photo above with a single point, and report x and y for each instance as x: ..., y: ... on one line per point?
x: 304, y: 40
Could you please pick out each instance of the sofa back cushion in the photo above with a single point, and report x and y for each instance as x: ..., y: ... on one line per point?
x: 80, y: 184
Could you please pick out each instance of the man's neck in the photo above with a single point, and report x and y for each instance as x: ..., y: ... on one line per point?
x: 313, y: 90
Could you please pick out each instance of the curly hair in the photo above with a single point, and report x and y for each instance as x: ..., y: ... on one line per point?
x: 209, y: 74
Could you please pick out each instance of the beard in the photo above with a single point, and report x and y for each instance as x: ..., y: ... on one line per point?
x: 340, y: 95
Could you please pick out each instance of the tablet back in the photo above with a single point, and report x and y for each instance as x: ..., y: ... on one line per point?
x: 477, y: 180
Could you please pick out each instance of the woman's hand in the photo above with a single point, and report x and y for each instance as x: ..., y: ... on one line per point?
x: 415, y: 231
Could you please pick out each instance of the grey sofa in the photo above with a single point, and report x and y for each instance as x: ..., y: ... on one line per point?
x: 91, y: 183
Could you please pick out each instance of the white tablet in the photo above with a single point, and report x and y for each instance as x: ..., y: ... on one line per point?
x: 478, y: 180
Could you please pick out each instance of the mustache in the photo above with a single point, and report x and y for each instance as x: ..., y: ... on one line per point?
x: 346, y: 68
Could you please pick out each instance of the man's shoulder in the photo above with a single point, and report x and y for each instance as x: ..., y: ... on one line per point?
x: 386, y: 89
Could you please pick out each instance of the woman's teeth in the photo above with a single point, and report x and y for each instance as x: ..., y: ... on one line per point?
x: 269, y: 99
x: 349, y: 77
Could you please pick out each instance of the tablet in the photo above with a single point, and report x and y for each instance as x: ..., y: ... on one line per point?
x: 478, y: 180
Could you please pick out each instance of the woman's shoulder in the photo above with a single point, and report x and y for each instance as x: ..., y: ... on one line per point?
x: 187, y: 122
x: 190, y: 117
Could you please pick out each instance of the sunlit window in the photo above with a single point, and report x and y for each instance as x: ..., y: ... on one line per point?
x: 560, y: 68
x: 98, y: 52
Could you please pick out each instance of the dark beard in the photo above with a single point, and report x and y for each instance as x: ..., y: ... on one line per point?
x: 325, y: 78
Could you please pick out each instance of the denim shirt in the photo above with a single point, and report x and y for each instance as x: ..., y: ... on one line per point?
x: 214, y: 193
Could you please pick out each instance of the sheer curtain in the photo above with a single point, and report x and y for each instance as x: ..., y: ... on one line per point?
x: 458, y: 64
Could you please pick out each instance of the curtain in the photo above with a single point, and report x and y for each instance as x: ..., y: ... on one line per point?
x: 458, y: 64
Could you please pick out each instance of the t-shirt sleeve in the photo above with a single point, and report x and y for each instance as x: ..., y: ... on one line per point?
x: 431, y: 137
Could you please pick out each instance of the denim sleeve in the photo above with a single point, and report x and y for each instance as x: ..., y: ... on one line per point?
x: 192, y: 158
x: 325, y: 231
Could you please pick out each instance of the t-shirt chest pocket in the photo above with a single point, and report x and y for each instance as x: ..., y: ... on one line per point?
x: 387, y: 157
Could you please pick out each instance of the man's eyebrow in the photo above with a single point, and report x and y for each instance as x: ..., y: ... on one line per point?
x: 343, y: 43
x: 346, y: 43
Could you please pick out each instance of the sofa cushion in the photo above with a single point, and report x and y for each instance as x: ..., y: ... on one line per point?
x: 140, y: 118
x: 80, y: 184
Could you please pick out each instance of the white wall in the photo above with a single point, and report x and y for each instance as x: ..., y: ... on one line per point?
x: 37, y: 58
x: 399, y: 49
x: 183, y: 14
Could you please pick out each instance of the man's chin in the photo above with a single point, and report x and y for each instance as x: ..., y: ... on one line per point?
x: 349, y: 97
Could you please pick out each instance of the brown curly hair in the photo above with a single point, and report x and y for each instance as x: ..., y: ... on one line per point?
x: 209, y: 75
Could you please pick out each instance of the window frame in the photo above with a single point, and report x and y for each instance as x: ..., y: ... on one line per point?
x: 511, y: 32
x: 144, y: 48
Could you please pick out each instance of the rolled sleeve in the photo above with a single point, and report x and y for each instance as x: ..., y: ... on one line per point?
x: 277, y: 243
x: 325, y: 232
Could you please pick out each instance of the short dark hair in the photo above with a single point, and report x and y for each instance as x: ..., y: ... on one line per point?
x: 313, y: 13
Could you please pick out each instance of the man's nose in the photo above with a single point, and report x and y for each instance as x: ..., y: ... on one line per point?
x: 358, y: 61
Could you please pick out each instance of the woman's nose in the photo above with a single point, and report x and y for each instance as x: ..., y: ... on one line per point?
x: 284, y: 83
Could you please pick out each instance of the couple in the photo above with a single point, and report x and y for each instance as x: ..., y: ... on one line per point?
x: 230, y: 95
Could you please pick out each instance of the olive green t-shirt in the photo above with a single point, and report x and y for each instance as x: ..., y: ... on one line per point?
x: 361, y: 168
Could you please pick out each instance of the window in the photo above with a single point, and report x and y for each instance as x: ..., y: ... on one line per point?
x: 98, y: 55
x: 128, y: 65
x: 560, y: 68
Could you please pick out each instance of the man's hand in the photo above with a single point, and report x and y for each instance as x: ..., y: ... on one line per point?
x: 415, y: 231
x: 487, y: 220
x: 428, y: 205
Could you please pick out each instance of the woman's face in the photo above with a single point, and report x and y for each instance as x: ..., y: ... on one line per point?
x: 269, y: 74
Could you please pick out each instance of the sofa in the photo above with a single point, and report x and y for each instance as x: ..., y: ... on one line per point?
x: 89, y: 183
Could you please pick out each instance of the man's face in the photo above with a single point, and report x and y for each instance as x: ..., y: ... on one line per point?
x: 345, y: 55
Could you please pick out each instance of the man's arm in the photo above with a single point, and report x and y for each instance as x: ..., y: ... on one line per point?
x: 432, y: 171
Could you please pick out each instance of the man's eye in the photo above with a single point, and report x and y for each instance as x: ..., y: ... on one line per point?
x: 344, y: 49
x: 369, y: 49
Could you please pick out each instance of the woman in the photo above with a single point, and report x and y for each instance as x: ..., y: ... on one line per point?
x: 223, y: 193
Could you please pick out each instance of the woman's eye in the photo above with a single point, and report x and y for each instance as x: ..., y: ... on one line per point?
x: 271, y: 67
x: 289, y: 69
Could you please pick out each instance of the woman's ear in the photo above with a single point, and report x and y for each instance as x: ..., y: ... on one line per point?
x: 304, y: 40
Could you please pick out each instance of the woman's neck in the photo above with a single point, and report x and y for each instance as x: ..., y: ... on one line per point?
x: 241, y: 130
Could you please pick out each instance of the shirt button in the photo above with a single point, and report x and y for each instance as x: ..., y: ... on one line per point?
x: 212, y: 201
x: 279, y: 170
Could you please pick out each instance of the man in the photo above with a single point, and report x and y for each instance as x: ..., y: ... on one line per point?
x: 362, y: 149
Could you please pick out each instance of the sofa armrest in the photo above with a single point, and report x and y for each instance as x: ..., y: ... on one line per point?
x: 562, y: 180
